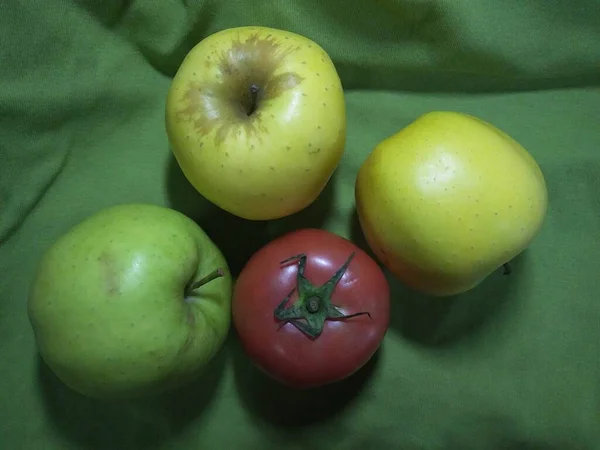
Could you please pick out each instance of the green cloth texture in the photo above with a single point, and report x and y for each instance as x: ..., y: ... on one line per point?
x: 513, y: 364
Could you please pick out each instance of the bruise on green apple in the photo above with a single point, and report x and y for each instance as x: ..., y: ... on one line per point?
x: 232, y: 105
x: 111, y: 279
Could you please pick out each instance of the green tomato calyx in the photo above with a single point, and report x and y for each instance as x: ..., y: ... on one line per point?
x: 313, y: 306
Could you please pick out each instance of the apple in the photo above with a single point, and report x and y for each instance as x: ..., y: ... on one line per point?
x: 447, y: 200
x: 133, y: 301
x: 256, y: 120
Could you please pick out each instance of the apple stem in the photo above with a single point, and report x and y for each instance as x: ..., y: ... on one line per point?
x: 207, y: 279
x: 254, y: 90
x: 507, y: 269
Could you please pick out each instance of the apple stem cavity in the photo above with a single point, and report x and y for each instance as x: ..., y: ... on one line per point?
x: 218, y: 273
x: 254, y: 91
x: 313, y: 306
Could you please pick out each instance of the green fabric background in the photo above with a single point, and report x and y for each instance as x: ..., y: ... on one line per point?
x: 513, y: 364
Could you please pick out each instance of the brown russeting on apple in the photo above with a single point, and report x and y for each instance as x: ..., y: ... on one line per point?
x: 247, y: 81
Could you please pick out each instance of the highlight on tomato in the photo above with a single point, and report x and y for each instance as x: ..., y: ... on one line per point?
x: 311, y: 308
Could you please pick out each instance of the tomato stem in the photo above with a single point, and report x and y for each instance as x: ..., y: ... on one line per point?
x: 313, y: 306
x: 207, y: 279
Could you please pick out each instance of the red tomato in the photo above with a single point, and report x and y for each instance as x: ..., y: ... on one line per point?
x: 329, y: 327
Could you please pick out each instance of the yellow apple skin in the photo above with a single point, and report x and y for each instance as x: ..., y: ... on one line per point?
x: 271, y: 162
x: 448, y: 200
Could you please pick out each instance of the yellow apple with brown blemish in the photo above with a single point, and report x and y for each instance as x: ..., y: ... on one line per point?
x: 256, y: 120
x: 447, y: 200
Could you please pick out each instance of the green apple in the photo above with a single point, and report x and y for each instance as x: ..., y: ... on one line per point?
x: 449, y: 199
x: 132, y: 301
x: 256, y: 120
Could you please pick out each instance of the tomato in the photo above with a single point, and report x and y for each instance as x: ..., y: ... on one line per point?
x: 311, y: 308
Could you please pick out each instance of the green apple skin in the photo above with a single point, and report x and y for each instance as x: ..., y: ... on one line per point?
x: 109, y: 309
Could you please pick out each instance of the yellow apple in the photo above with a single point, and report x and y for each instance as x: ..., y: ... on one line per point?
x: 447, y: 200
x: 256, y: 120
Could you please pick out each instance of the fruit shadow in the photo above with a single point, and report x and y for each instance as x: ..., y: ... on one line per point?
x: 237, y: 238
x: 291, y: 410
x: 440, y: 321
x: 127, y: 424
